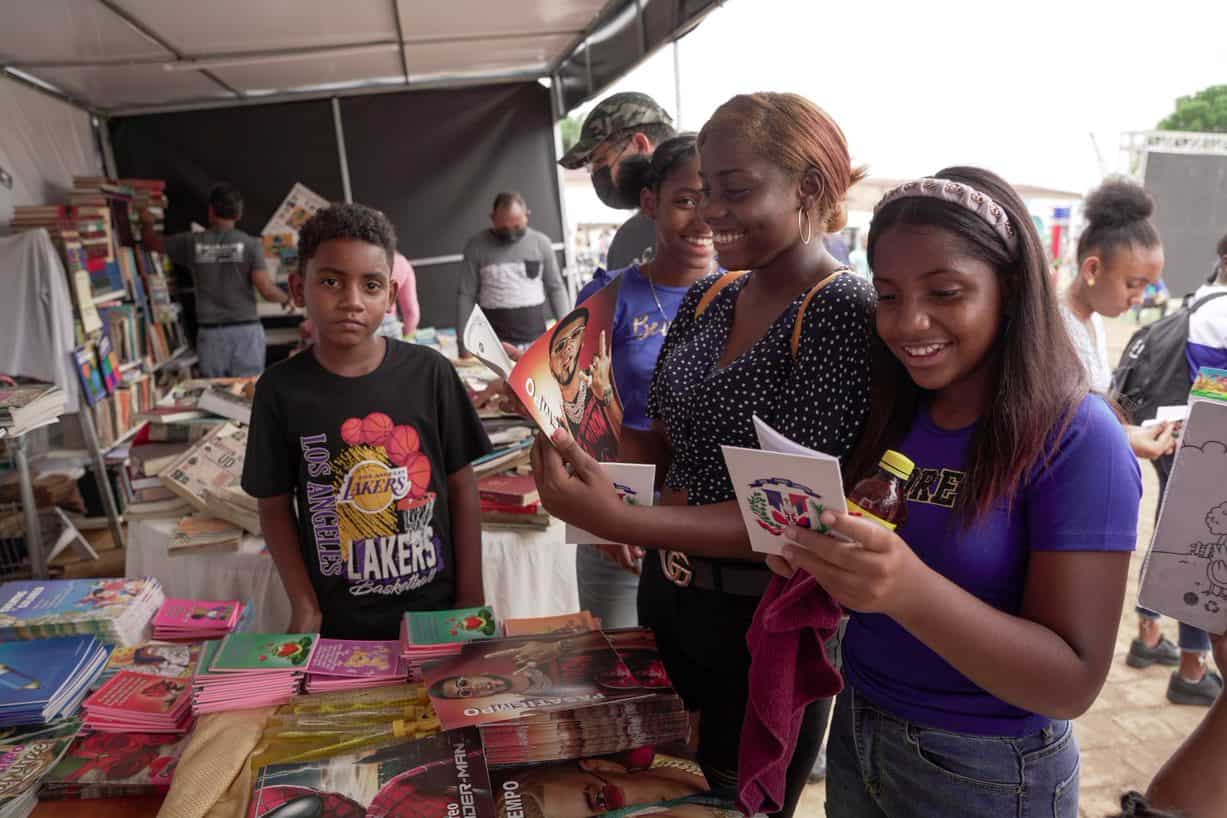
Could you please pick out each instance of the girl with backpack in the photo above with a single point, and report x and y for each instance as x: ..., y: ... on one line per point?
x: 786, y: 340
x: 987, y: 620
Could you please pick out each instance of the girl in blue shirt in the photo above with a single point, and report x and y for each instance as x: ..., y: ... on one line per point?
x: 647, y: 303
x: 987, y: 621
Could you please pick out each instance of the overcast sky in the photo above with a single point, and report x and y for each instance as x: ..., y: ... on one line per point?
x: 1015, y: 87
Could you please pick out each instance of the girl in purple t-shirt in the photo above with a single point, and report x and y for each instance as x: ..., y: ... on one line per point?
x: 988, y: 620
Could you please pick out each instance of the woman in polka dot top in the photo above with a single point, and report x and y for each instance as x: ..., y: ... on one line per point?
x: 769, y: 342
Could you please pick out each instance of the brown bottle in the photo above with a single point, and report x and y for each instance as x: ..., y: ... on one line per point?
x: 882, y: 498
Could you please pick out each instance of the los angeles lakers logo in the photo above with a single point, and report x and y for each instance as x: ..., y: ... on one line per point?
x: 372, y: 486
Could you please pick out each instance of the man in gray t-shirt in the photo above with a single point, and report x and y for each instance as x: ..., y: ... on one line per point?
x: 226, y: 264
x: 509, y: 271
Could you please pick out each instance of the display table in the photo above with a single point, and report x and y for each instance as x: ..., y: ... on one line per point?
x: 525, y: 573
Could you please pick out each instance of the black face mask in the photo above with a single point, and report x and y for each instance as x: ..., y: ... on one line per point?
x: 508, y: 235
x: 624, y: 193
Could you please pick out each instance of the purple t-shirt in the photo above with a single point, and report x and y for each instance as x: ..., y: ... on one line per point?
x: 1084, y: 499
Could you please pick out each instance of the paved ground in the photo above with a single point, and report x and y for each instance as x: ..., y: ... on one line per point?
x: 1131, y: 729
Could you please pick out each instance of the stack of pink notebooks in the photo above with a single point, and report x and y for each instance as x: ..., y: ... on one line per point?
x: 349, y: 664
x: 140, y: 703
x: 195, y: 620
x: 248, y: 670
x: 429, y: 635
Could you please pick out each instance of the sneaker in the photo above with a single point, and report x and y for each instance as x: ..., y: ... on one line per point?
x: 1143, y: 655
x: 1202, y: 694
x: 820, y: 767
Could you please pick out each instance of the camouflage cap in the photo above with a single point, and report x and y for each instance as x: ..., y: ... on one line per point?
x: 614, y: 114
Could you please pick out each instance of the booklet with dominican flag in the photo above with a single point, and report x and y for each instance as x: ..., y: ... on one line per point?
x: 565, y: 379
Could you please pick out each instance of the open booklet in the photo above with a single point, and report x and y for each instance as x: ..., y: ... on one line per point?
x: 782, y: 484
x: 565, y: 379
x: 635, y: 484
x: 1185, y: 573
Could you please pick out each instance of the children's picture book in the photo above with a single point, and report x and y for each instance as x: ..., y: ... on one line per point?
x: 780, y: 485
x: 635, y: 484
x: 565, y: 379
x: 43, y: 679
x: 87, y: 370
x: 117, y: 610
x: 156, y: 659
x: 483, y: 342
x: 436, y: 777
x: 354, y: 658
x: 114, y: 765
x: 444, y: 627
x: 1185, y: 573
x: 194, y: 615
x: 241, y: 652
x: 507, y: 678
x: 134, y: 700
x: 1210, y: 383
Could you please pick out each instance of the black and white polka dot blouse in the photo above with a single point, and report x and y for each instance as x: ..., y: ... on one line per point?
x: 820, y: 401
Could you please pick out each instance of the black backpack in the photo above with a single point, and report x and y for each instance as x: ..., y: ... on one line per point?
x: 1154, y: 370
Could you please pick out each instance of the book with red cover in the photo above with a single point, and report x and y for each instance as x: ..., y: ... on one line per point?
x: 509, y: 489
x: 139, y: 702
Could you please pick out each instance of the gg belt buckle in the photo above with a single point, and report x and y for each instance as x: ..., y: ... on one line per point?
x: 676, y: 566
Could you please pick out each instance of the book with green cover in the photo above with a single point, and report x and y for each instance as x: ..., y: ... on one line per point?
x: 450, y: 627
x: 240, y: 652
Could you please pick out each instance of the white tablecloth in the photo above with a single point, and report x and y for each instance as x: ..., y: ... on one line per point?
x: 525, y: 573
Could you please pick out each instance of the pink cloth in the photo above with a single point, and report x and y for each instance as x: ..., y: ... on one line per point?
x: 789, y: 669
x: 407, y: 293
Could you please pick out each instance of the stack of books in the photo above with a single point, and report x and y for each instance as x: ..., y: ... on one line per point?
x: 510, y: 500
x: 27, y: 755
x: 505, y: 458
x: 140, y: 703
x: 46, y: 679
x: 429, y: 635
x: 549, y: 697
x: 348, y: 664
x: 209, y: 465
x: 29, y: 406
x: 196, y: 620
x: 228, y: 401
x: 173, y: 661
x: 437, y: 776
x: 117, y: 611
x: 247, y: 670
x: 114, y: 765
x: 235, y: 506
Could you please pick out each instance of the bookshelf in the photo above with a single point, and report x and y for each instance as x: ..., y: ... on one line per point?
x: 127, y: 319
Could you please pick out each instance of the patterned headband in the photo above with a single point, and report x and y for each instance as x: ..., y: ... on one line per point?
x: 962, y: 195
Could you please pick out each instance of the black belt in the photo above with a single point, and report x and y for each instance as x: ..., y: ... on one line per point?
x: 708, y: 575
x: 220, y: 324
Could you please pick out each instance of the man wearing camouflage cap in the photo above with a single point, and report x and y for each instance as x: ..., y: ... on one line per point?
x: 623, y: 128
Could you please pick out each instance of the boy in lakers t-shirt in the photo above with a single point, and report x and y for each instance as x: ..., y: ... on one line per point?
x: 372, y: 440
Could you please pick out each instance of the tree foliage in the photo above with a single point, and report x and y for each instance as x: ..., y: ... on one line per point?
x: 570, y: 131
x: 1204, y: 111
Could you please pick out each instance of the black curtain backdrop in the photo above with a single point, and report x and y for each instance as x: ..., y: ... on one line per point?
x: 435, y: 160
x: 432, y: 160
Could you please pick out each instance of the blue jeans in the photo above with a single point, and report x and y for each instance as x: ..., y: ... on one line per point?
x: 881, y: 766
x: 234, y: 351
x: 606, y: 590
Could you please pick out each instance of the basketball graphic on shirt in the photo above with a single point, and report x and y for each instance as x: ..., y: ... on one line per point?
x: 375, y: 428
x: 401, y: 444
x: 351, y: 432
x: 417, y: 467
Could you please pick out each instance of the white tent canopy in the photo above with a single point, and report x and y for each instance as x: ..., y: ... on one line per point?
x: 134, y: 56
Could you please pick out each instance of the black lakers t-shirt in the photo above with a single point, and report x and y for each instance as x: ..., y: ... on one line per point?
x: 367, y: 460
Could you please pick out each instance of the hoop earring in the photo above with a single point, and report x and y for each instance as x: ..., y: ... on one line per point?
x: 806, y: 233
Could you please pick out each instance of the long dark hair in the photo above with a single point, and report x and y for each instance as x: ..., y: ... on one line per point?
x: 1037, y: 379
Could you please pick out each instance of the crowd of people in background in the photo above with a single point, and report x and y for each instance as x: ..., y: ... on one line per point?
x: 949, y: 655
